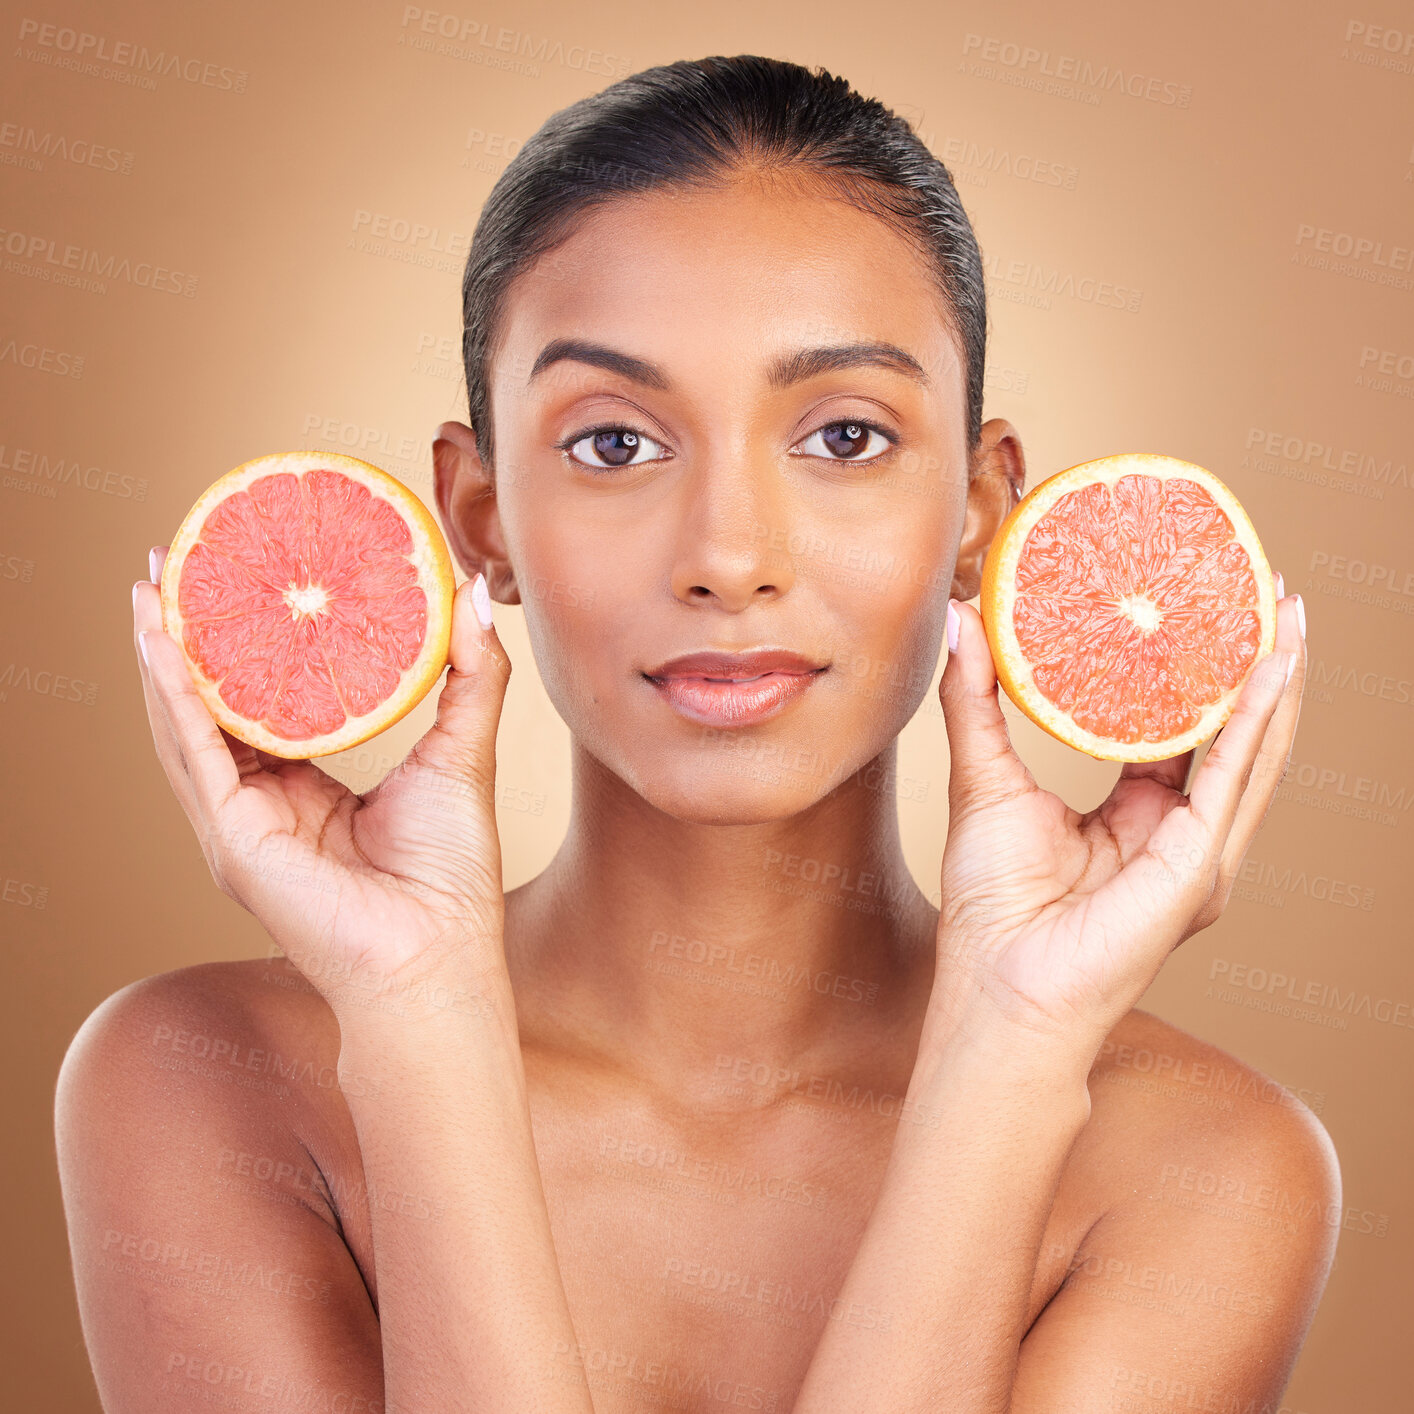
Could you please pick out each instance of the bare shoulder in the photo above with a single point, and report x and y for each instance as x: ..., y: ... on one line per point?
x: 1186, y: 1135
x: 245, y: 1049
x: 252, y: 1024
x: 1192, y: 1101
x: 198, y: 1131
x: 257, y: 991
x: 1209, y: 1205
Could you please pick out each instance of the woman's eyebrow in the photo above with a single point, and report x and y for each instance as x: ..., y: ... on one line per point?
x: 601, y: 356
x: 807, y: 363
x: 790, y: 368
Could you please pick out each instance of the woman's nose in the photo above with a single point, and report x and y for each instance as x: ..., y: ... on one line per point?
x: 732, y: 537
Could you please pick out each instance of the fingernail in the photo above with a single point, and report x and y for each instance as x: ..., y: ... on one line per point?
x: 1301, y: 616
x: 481, y: 598
x: 142, y: 645
x: 1281, y: 586
x: 954, y: 624
x: 1290, y: 668
x: 152, y: 564
x: 137, y: 584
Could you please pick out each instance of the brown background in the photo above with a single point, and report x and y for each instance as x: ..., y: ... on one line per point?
x: 256, y: 168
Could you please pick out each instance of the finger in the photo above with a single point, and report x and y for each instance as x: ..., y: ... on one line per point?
x: 1228, y: 767
x: 461, y: 743
x: 1275, y: 750
x: 250, y: 761
x: 1172, y: 771
x: 202, y: 754
x: 985, y: 766
x: 193, y: 750
x: 147, y: 615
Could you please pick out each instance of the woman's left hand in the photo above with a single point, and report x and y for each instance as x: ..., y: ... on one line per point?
x: 1059, y: 921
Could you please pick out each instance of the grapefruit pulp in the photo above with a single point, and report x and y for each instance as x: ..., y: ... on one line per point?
x: 311, y: 594
x: 1126, y: 601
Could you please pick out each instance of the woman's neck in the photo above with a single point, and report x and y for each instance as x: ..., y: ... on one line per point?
x: 685, y: 950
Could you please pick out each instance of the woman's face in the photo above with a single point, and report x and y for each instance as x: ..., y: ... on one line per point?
x: 694, y: 474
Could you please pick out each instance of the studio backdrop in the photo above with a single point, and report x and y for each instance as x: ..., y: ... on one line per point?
x: 229, y: 231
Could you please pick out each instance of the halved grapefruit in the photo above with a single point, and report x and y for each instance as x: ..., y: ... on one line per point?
x: 312, y: 596
x: 1126, y: 600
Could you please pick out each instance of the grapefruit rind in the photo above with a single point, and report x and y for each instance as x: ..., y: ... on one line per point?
x: 999, y: 577
x: 435, y: 576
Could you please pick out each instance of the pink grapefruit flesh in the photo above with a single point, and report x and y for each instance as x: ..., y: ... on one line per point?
x: 1126, y: 600
x: 311, y: 593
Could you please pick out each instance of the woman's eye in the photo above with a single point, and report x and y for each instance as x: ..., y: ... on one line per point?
x: 847, y: 441
x: 614, y: 446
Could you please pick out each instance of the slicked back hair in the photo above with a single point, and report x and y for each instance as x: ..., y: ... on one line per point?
x: 698, y: 123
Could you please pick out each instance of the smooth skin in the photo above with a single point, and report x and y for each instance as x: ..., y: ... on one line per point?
x: 670, y: 1121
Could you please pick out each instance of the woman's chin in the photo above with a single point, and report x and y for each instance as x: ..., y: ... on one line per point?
x: 731, y: 792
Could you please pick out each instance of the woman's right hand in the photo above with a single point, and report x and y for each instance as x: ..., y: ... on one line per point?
x: 397, y: 888
x: 1060, y: 920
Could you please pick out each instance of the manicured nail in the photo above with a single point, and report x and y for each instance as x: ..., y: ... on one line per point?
x: 954, y: 624
x: 1290, y: 668
x: 1301, y: 616
x: 152, y: 562
x: 481, y: 598
x: 137, y: 584
x: 142, y: 645
x: 1281, y: 586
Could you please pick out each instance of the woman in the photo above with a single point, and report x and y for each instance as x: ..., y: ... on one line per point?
x: 718, y: 1110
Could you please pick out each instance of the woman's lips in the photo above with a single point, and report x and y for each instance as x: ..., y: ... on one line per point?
x: 716, y: 702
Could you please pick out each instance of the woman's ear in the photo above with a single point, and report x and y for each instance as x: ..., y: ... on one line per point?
x: 997, y: 477
x: 466, y: 498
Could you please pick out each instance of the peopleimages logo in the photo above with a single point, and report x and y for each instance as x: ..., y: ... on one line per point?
x: 1327, y: 997
x: 1353, y: 254
x: 1025, y: 59
x: 1324, y: 679
x: 43, y: 256
x: 960, y: 155
x: 41, y: 358
x: 480, y: 42
x: 45, y: 683
x: 1304, y: 458
x: 30, y: 148
x: 1340, y: 792
x: 1038, y: 283
x: 39, y: 471
x: 64, y: 47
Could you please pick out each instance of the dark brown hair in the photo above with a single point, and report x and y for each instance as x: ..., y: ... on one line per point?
x: 694, y: 123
